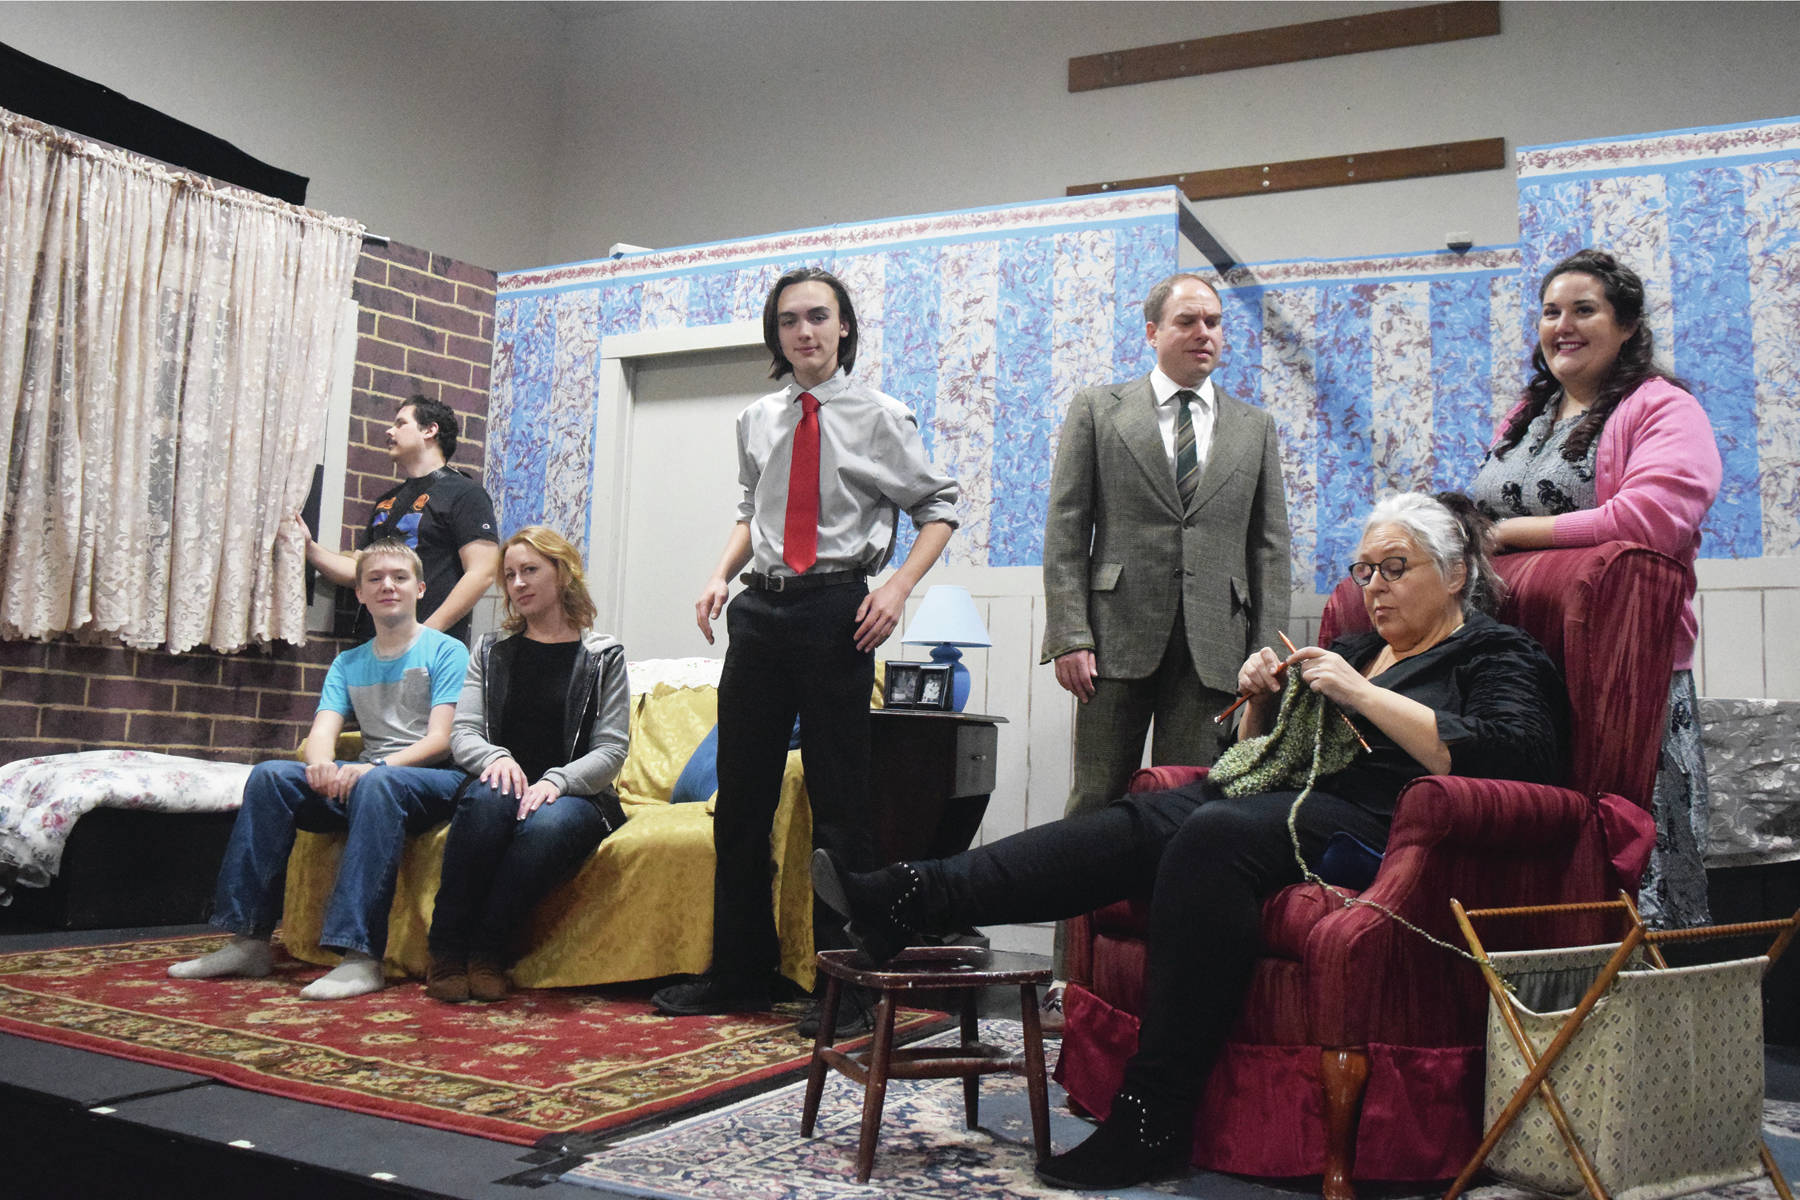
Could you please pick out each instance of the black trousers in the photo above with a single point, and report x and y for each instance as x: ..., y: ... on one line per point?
x: 1206, y: 861
x: 791, y: 653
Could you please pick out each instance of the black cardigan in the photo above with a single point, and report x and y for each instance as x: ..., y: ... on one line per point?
x: 1501, y: 708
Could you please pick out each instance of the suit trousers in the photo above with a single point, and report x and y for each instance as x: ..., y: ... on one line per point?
x: 791, y: 653
x: 1207, y: 862
x: 1170, y: 704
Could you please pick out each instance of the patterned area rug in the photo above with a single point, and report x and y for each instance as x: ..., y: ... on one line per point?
x: 753, y: 1150
x: 542, y: 1065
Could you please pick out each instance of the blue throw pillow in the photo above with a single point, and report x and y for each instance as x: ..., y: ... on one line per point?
x: 1349, y: 861
x: 700, y: 778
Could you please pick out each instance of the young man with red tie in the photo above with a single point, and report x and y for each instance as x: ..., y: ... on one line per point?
x: 826, y: 464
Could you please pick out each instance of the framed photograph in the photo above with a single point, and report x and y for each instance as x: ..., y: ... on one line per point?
x: 934, y: 686
x: 901, y: 686
x: 917, y: 685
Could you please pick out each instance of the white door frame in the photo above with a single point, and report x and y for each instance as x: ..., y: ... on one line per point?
x: 620, y: 356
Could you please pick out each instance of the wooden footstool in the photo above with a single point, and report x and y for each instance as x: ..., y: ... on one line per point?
x: 938, y: 968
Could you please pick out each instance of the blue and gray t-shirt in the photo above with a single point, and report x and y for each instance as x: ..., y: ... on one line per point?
x: 392, y: 698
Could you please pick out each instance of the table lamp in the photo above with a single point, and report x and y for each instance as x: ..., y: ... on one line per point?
x: 947, y: 621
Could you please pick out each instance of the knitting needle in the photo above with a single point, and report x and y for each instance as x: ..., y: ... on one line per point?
x: 1243, y: 696
x: 1239, y: 702
x: 1293, y: 649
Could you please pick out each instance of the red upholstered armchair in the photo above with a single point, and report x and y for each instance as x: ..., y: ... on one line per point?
x: 1359, y: 1050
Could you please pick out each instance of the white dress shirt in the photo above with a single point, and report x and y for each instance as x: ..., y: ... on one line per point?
x: 872, y: 464
x: 1201, y: 410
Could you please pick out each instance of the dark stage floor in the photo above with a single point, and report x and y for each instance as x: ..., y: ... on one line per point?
x: 79, y: 1124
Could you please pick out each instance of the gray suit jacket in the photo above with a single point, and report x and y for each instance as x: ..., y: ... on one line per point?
x: 1120, y: 551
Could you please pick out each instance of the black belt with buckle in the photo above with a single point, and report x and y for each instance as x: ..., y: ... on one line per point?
x: 800, y: 583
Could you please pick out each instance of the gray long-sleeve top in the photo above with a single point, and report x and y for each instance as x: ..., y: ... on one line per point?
x: 599, y: 703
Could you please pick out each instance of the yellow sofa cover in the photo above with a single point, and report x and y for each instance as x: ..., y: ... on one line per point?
x: 640, y: 908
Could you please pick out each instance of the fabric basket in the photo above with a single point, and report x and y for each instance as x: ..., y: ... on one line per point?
x: 1663, y: 1082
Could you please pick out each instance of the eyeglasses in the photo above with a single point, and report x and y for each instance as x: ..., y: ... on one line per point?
x: 1391, y: 568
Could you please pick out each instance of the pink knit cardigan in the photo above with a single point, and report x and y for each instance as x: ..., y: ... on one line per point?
x: 1656, y: 473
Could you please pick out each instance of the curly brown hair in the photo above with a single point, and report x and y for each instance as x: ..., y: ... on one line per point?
x: 1635, y: 363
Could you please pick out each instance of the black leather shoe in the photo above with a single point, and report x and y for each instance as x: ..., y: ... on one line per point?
x: 1135, y: 1144
x: 880, y: 909
x: 1051, y: 1022
x: 710, y: 996
x: 855, y: 1017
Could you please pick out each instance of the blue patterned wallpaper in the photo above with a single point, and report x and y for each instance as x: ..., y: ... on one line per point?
x: 1383, y: 373
x: 1390, y: 372
x: 984, y: 323
x: 1711, y: 219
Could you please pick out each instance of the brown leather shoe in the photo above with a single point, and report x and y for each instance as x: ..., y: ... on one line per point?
x: 447, y: 980
x: 487, y: 982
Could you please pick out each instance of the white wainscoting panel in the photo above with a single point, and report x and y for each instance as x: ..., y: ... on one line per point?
x: 1749, y: 615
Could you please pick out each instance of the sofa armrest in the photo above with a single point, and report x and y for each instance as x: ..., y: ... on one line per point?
x: 1489, y: 843
x: 1161, y: 779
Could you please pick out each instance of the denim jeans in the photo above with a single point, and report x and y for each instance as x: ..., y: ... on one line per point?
x: 386, y: 806
x: 497, y: 867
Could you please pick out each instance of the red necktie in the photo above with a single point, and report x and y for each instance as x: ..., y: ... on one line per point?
x: 800, y: 534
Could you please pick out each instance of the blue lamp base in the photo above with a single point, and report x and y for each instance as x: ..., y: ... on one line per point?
x: 959, y: 674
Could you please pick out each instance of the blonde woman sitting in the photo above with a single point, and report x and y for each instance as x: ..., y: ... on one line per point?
x: 542, y: 726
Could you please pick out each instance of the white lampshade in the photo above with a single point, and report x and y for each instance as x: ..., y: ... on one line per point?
x: 947, y: 617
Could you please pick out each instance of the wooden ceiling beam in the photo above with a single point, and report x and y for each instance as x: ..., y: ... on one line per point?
x: 1389, y: 30
x: 1413, y: 162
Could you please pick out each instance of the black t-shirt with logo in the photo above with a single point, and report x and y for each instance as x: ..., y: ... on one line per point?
x: 437, y: 515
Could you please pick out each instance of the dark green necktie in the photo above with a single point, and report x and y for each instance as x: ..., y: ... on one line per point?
x: 1187, y: 458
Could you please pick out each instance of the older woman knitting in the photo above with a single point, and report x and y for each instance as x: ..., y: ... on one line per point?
x: 1439, y: 687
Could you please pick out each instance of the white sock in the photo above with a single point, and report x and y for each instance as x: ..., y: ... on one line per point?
x: 357, y: 975
x: 243, y: 956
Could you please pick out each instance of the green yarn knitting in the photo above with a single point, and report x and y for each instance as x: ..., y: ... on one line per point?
x: 1305, y: 744
x: 1310, y: 741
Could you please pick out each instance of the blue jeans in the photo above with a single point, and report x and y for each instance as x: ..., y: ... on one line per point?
x: 497, y: 868
x: 385, y: 806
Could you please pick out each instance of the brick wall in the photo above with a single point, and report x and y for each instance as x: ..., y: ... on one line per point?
x: 244, y: 707
x: 426, y: 325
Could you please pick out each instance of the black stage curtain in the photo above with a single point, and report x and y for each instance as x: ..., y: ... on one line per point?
x: 45, y: 93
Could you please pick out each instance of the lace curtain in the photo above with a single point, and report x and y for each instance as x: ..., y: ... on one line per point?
x: 165, y: 364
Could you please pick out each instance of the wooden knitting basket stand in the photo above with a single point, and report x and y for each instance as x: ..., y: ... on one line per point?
x: 1639, y: 942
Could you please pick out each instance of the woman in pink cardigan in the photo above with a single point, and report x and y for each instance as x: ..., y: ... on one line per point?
x: 1607, y: 446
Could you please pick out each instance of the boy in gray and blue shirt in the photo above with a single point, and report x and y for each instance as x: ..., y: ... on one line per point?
x: 402, y: 688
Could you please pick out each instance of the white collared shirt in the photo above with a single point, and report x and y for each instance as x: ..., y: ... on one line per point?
x: 1201, y: 409
x: 872, y: 467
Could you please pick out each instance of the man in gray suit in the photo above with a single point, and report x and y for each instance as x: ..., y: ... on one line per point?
x: 1165, y: 552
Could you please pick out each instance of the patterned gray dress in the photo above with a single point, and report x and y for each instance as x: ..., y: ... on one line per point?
x: 1535, y: 480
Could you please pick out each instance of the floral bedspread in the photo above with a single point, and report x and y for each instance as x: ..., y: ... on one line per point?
x: 42, y: 798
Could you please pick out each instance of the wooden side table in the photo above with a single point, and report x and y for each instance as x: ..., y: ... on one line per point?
x: 941, y: 968
x: 932, y: 775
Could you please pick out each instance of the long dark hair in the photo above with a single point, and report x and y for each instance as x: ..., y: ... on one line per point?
x: 771, y: 318
x: 1636, y: 361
